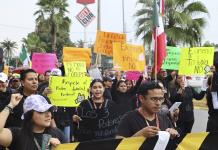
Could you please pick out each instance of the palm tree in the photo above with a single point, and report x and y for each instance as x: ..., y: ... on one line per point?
x: 8, y: 48
x: 51, y: 16
x: 183, y: 21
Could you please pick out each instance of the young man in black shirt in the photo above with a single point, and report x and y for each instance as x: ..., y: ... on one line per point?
x: 147, y: 121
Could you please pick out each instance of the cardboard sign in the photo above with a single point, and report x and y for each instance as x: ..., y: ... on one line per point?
x: 85, y: 17
x: 128, y: 57
x: 75, y: 69
x: 132, y: 75
x: 42, y: 62
x: 68, y: 91
x: 172, y: 59
x: 196, y: 61
x: 104, y: 42
x: 77, y: 54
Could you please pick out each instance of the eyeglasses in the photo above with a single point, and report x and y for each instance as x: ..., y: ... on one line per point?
x: 156, y: 99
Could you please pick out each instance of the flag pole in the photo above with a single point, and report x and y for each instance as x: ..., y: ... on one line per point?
x: 155, y: 53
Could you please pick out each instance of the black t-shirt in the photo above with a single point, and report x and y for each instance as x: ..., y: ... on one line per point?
x: 133, y: 122
x: 18, y: 143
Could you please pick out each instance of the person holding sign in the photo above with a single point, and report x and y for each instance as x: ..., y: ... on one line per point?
x: 97, y: 117
x: 121, y: 95
x: 35, y: 133
x: 147, y: 121
x: 184, y: 94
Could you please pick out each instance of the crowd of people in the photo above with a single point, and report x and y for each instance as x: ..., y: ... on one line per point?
x: 116, y: 108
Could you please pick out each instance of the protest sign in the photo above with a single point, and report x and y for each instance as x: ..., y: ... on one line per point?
x: 6, y: 69
x: 128, y: 57
x: 95, y: 73
x: 75, y: 69
x: 68, y: 91
x: 42, y: 62
x: 132, y: 75
x: 104, y: 42
x: 196, y: 60
x: 77, y: 54
x: 172, y: 59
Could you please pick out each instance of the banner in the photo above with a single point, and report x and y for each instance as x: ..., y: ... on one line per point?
x: 75, y: 69
x: 104, y: 42
x: 172, y: 60
x: 68, y: 91
x: 132, y: 75
x: 128, y: 57
x: 77, y: 54
x: 42, y: 62
x: 191, y: 141
x: 196, y: 60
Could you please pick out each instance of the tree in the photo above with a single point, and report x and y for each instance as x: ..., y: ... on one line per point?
x: 183, y: 21
x: 8, y: 47
x: 33, y: 43
x: 51, y: 17
x: 208, y: 44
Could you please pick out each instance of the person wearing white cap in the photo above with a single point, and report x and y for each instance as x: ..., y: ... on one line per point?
x: 3, y: 82
x: 36, y: 132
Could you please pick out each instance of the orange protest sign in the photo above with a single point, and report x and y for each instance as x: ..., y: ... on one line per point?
x: 77, y: 54
x: 104, y: 42
x: 6, y: 69
x: 128, y: 57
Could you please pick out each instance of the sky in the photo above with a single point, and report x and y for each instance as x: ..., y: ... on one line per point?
x: 17, y: 19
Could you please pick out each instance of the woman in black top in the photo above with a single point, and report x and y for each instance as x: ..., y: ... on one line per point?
x: 186, y: 110
x: 36, y: 133
x: 97, y: 117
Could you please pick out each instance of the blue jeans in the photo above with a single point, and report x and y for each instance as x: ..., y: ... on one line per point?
x: 66, y: 131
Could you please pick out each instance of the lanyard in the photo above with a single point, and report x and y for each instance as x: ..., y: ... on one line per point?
x: 144, y: 116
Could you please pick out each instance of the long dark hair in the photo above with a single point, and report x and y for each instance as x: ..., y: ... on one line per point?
x: 26, y: 134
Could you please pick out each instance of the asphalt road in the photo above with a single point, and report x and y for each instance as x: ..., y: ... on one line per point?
x: 201, y: 117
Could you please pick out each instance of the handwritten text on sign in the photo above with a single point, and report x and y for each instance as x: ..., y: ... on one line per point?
x: 172, y: 59
x: 42, y: 62
x: 104, y: 42
x: 77, y: 54
x: 196, y: 61
x: 68, y: 91
x: 128, y: 57
x: 75, y: 69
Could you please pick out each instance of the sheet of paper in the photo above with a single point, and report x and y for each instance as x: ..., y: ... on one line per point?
x: 175, y: 106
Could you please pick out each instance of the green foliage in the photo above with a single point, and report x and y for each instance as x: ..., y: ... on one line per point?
x: 183, y: 21
x: 8, y: 47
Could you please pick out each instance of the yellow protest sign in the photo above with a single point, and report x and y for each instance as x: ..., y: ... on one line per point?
x: 77, y: 54
x: 128, y: 57
x: 104, y: 42
x: 196, y: 60
x: 6, y: 69
x: 75, y: 69
x: 68, y: 91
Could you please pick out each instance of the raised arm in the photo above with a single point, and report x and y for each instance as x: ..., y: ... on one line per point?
x: 5, y: 134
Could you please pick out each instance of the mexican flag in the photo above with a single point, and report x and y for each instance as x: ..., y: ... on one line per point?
x: 159, y: 38
x: 24, y: 57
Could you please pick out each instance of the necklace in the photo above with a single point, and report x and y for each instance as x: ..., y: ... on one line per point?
x: 144, y: 116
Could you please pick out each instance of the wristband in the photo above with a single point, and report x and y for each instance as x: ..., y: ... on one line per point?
x: 9, y: 108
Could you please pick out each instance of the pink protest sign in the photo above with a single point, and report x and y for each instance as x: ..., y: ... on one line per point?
x: 42, y: 62
x: 132, y: 75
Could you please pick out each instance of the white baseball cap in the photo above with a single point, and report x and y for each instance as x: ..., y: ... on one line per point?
x: 37, y: 103
x: 56, y: 72
x: 3, y: 77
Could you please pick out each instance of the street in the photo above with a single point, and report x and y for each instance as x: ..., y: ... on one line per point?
x: 201, y: 117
